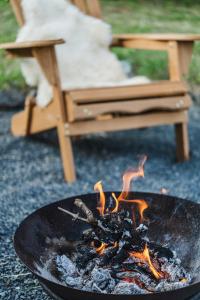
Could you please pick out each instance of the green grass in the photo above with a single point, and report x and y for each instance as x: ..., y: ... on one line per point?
x: 148, y: 16
x: 10, y: 74
x: 125, y: 16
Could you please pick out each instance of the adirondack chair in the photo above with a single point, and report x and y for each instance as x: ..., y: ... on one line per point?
x: 91, y: 110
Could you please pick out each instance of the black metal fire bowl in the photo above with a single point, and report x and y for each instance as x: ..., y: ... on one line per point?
x: 173, y: 221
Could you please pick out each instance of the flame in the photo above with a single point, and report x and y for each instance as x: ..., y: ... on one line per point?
x: 100, y: 250
x: 98, y: 187
x: 115, y: 244
x: 127, y: 178
x: 116, y: 203
x: 145, y: 256
x: 130, y: 175
x: 142, y: 205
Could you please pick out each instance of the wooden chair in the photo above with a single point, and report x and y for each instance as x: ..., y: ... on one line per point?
x: 78, y: 112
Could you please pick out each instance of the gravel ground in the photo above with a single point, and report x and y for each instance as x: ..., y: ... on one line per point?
x: 31, y: 176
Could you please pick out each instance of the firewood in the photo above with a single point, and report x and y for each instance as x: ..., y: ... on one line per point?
x: 90, y: 217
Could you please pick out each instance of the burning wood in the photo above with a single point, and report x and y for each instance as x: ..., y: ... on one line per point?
x: 115, y: 254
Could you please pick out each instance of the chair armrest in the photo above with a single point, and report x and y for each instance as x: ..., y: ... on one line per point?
x: 159, y: 37
x: 30, y: 44
x: 152, y: 41
x: 178, y: 46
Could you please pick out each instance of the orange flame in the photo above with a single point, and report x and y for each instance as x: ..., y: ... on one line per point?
x: 98, y: 187
x: 145, y: 256
x: 130, y: 175
x: 116, y: 203
x: 100, y: 250
x: 142, y: 205
x: 115, y: 244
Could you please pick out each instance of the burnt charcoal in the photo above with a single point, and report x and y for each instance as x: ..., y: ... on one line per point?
x: 161, y: 251
x: 110, y: 257
x: 120, y: 256
x: 85, y: 254
x: 138, y: 243
x: 106, y: 258
x: 142, y: 230
x: 88, y: 235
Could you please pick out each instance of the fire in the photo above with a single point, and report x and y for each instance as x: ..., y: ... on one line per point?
x: 98, y: 187
x: 116, y: 203
x: 115, y: 244
x: 142, y: 206
x: 129, y: 176
x: 145, y: 256
x: 100, y: 249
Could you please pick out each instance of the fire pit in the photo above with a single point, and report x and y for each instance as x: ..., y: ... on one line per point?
x: 173, y: 221
x: 138, y: 245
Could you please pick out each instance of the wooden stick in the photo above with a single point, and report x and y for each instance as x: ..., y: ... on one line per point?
x: 80, y: 204
x: 75, y: 216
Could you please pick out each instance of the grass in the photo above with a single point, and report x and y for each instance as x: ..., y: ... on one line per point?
x: 10, y: 74
x: 125, y: 16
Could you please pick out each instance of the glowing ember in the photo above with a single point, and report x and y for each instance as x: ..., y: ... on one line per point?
x: 98, y: 187
x: 100, y: 250
x: 144, y: 256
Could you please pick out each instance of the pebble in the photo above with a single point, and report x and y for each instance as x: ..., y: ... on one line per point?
x: 31, y: 176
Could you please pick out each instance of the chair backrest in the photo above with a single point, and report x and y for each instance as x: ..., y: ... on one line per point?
x: 90, y: 7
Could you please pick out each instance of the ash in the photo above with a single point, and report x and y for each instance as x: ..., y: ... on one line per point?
x: 114, y: 256
x: 131, y: 277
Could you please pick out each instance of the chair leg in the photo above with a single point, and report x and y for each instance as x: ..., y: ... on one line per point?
x: 66, y: 154
x: 182, y: 142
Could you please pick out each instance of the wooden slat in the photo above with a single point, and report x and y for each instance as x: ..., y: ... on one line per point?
x: 42, y: 119
x: 182, y: 142
x: 185, y: 55
x: 159, y: 89
x: 138, y: 121
x: 159, y: 37
x: 31, y: 44
x: 93, y: 7
x: 17, y: 9
x: 69, y: 104
x: 130, y: 107
x: 47, y: 64
x: 145, y: 44
x: 173, y: 58
x: 26, y: 52
x: 81, y: 4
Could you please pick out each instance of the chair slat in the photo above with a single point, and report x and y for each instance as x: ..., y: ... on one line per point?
x: 134, y: 106
x: 158, y: 89
x: 94, y: 8
x: 81, y: 4
x: 17, y: 9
